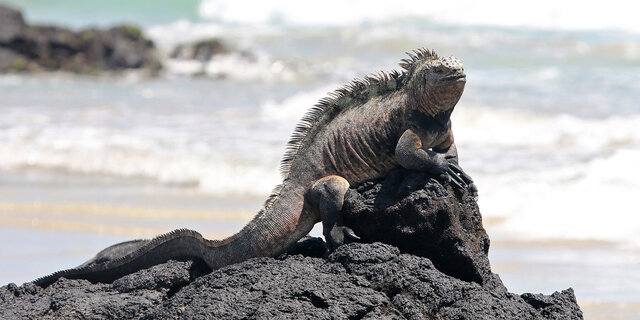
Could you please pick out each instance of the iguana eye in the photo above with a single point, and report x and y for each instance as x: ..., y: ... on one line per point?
x: 438, y: 70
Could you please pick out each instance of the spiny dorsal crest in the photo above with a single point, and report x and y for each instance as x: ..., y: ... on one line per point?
x: 416, y: 57
x: 353, y: 94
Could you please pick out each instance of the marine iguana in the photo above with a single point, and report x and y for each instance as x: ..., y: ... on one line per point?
x: 359, y: 132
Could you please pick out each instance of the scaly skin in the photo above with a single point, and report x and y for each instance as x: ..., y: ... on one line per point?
x: 361, y: 132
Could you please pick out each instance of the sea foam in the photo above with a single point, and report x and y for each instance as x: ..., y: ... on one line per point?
x: 544, y: 14
x: 533, y: 170
x: 553, y: 176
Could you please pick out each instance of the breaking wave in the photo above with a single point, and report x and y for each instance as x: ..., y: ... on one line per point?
x: 537, y: 172
x: 545, y: 14
x: 553, y: 176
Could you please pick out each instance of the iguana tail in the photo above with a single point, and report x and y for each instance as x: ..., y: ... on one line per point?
x: 281, y: 223
x: 178, y: 244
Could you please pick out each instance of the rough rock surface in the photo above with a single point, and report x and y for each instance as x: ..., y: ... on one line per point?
x: 38, y: 48
x: 443, y: 274
x: 357, y: 281
x: 417, y: 214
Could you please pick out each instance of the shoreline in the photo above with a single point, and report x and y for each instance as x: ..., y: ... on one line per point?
x: 599, y: 310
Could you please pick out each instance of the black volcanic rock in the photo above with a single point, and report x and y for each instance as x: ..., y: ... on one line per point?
x: 414, y: 212
x: 357, y: 281
x: 437, y: 268
x: 40, y: 48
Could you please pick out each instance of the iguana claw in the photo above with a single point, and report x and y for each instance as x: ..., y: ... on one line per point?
x: 453, y: 174
x: 340, y: 235
x: 460, y: 178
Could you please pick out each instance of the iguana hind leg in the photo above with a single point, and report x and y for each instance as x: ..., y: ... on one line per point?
x: 326, y: 196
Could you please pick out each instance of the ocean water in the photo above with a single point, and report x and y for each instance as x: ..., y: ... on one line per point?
x: 548, y: 126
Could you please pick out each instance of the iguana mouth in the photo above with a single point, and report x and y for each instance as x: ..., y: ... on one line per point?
x: 454, y: 78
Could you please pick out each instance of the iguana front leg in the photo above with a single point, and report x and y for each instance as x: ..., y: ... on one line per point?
x: 451, y: 154
x: 326, y: 196
x: 411, y: 155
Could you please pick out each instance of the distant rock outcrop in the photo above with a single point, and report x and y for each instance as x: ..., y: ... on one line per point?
x: 41, y: 48
x: 202, y: 50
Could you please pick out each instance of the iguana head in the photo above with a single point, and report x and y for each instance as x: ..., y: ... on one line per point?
x: 436, y: 84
